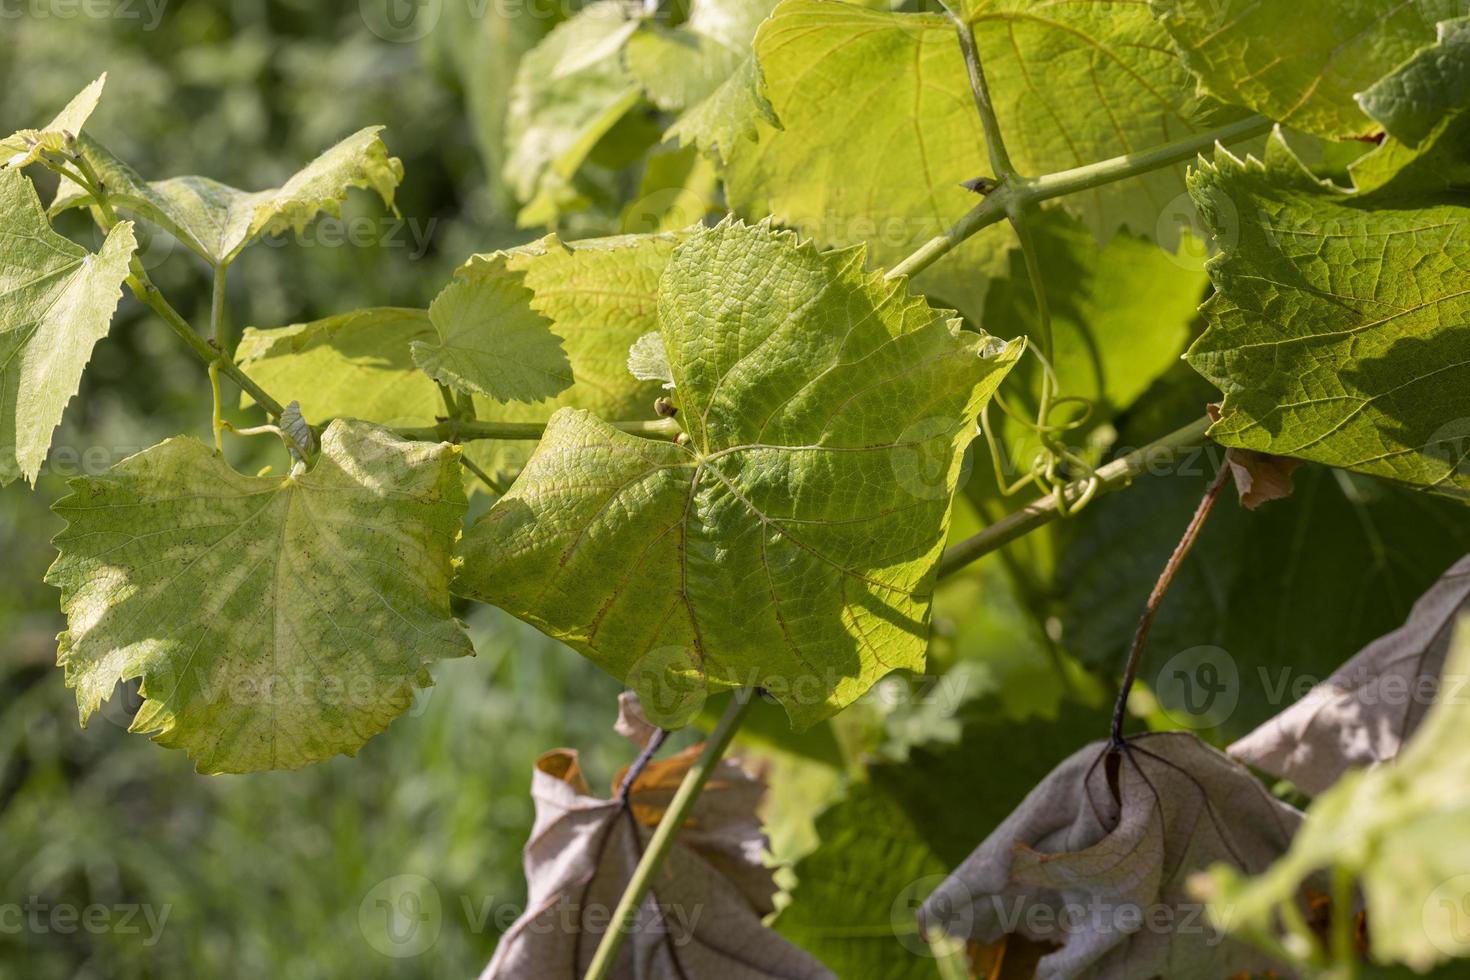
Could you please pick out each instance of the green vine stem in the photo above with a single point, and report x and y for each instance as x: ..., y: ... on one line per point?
x: 998, y: 205
x: 219, y: 330
x: 1119, y: 473
x: 468, y: 430
x: 663, y: 837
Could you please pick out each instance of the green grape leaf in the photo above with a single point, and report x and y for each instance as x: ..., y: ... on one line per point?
x: 570, y: 90
x: 491, y: 341
x: 1301, y: 63
x: 25, y: 147
x: 1338, y: 332
x: 56, y: 302
x: 1268, y: 602
x: 274, y: 621
x: 600, y: 295
x: 734, y: 111
x: 353, y: 365
x: 678, y: 67
x: 217, y: 221
x: 1113, y: 85
x: 792, y: 543
x: 1400, y: 828
x: 1432, y: 85
x: 704, y: 67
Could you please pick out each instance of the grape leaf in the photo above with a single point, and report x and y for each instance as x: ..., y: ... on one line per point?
x: 702, y: 917
x: 1432, y: 85
x: 792, y: 543
x: 1097, y: 857
x: 570, y: 90
x: 678, y: 67
x: 600, y: 295
x: 25, y: 147
x: 353, y: 365
x: 734, y: 111
x: 56, y: 302
x: 1338, y: 331
x: 1301, y: 63
x: 680, y: 187
x: 274, y: 621
x: 835, y: 70
x: 1269, y: 602
x: 1422, y: 105
x: 1370, y: 706
x: 490, y: 340
x: 1400, y: 827
x: 217, y: 221
x: 704, y: 67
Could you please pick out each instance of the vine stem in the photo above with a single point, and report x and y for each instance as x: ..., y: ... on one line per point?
x: 218, y: 330
x: 1119, y: 473
x: 663, y: 837
x: 468, y: 430
x: 1016, y: 192
x: 1156, y: 598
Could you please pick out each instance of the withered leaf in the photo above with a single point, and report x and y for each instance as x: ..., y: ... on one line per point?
x: 1095, y: 861
x: 702, y: 918
x: 1368, y: 708
x: 1259, y: 477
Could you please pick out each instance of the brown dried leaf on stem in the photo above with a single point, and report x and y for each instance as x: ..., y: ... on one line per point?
x: 1096, y: 860
x: 702, y: 918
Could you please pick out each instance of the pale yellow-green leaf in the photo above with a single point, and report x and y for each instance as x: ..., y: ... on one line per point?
x: 26, y: 146
x: 218, y: 221
x: 56, y: 302
x: 274, y: 621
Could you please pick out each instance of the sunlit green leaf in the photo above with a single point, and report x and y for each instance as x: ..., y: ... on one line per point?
x: 1339, y: 329
x: 1301, y: 63
x: 792, y: 542
x: 274, y: 621
x: 880, y: 130
x: 490, y: 340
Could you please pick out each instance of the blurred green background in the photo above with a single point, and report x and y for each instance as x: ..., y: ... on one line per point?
x: 274, y: 874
